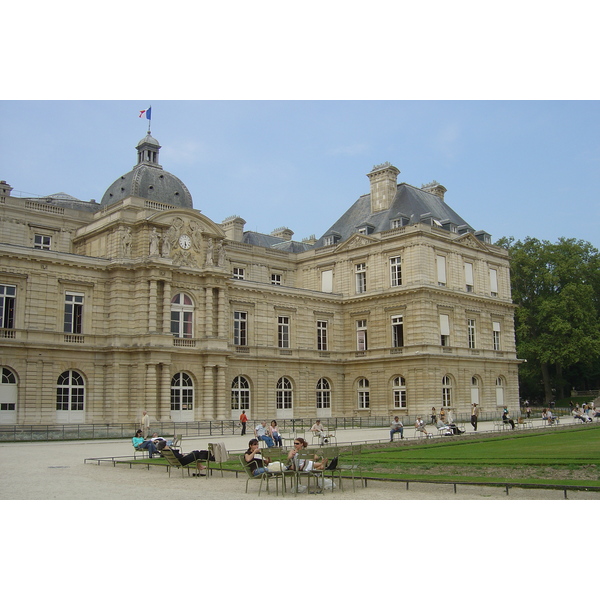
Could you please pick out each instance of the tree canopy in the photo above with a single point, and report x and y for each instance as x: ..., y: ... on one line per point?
x: 556, y: 287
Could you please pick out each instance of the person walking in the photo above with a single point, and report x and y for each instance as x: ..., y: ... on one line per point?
x: 243, y: 421
x: 474, y: 415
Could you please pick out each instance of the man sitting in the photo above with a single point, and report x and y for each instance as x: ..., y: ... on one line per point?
x: 262, y: 433
x: 396, y: 427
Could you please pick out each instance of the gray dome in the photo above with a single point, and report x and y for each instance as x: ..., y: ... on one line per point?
x: 149, y: 180
x: 151, y: 183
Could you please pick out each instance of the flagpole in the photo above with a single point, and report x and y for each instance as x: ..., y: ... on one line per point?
x: 150, y: 119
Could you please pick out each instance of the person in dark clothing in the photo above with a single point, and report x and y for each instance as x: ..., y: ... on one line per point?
x: 507, y: 419
x: 189, y: 457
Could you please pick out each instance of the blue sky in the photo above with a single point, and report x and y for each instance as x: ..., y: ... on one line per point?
x: 511, y: 168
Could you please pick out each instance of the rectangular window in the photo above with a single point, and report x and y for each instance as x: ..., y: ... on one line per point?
x: 238, y: 273
x: 73, y: 313
x: 361, y: 335
x: 445, y: 330
x: 398, y: 331
x: 493, y: 282
x: 496, y: 335
x: 361, y: 278
x: 41, y: 242
x: 283, y: 332
x: 8, y: 294
x: 471, y: 332
x: 395, y: 271
x: 400, y: 398
x: 322, y: 335
x: 275, y: 279
x: 469, y: 277
x: 363, y: 399
x: 441, y: 270
x: 240, y: 328
x: 327, y: 281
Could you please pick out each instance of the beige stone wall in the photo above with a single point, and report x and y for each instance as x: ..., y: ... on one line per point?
x: 127, y: 354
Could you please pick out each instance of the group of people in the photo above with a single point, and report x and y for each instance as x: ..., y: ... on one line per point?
x: 267, y: 433
x: 259, y: 465
x: 586, y: 413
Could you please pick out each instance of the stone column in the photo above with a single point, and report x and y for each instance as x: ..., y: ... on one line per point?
x: 152, y: 306
x: 222, y: 398
x: 208, y: 322
x: 150, y: 391
x: 164, y: 394
x: 221, y: 314
x: 166, y: 319
x: 207, y: 411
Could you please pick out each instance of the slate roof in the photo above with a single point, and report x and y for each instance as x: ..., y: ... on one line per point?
x: 410, y: 202
x: 271, y: 241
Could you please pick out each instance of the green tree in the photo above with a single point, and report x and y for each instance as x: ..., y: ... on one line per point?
x: 556, y: 287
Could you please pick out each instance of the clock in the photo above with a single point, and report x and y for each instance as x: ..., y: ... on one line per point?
x: 185, y: 241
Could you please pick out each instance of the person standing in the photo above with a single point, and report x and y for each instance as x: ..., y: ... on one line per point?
x: 145, y: 423
x: 474, y: 415
x: 243, y: 421
x: 433, y: 416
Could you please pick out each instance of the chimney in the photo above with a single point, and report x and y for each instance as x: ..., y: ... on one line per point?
x: 435, y: 188
x: 5, y: 189
x: 283, y: 232
x: 234, y: 228
x: 384, y: 184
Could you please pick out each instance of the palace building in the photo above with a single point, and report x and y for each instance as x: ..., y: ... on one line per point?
x: 142, y: 302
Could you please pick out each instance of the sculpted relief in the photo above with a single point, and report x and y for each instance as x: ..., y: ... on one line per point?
x: 186, y: 243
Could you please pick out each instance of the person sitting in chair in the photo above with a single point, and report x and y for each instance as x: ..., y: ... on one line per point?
x: 139, y: 442
x: 420, y: 426
x: 319, y: 430
x: 262, y: 433
x: 296, y: 464
x: 507, y: 419
x: 258, y: 465
x: 396, y: 427
x: 188, y: 457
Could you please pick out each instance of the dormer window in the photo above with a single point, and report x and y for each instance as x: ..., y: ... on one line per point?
x: 365, y: 229
x: 398, y: 222
x: 331, y: 238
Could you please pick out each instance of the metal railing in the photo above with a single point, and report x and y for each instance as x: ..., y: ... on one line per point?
x: 41, y: 433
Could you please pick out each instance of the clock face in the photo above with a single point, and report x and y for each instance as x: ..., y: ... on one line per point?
x: 185, y: 242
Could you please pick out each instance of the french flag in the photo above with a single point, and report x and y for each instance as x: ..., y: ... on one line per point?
x: 147, y: 112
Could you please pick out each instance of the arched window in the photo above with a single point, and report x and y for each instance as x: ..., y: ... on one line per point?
x: 182, y: 316
x: 475, y: 390
x: 399, y: 392
x: 323, y: 394
x: 500, y: 391
x: 363, y: 393
x: 182, y: 392
x: 70, y: 391
x: 240, y: 394
x: 285, y: 394
x: 8, y: 397
x: 446, y: 391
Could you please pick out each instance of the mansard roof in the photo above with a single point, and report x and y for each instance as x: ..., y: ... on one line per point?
x: 409, y: 202
x: 276, y: 243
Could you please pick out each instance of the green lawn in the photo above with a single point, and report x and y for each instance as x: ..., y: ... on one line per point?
x: 563, y: 457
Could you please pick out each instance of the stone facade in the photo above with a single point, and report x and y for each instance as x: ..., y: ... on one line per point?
x: 135, y: 304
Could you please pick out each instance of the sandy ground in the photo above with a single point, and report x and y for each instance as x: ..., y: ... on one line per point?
x: 56, y: 471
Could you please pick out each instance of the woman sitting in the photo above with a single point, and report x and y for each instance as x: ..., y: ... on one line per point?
x: 297, y: 464
x: 257, y: 464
